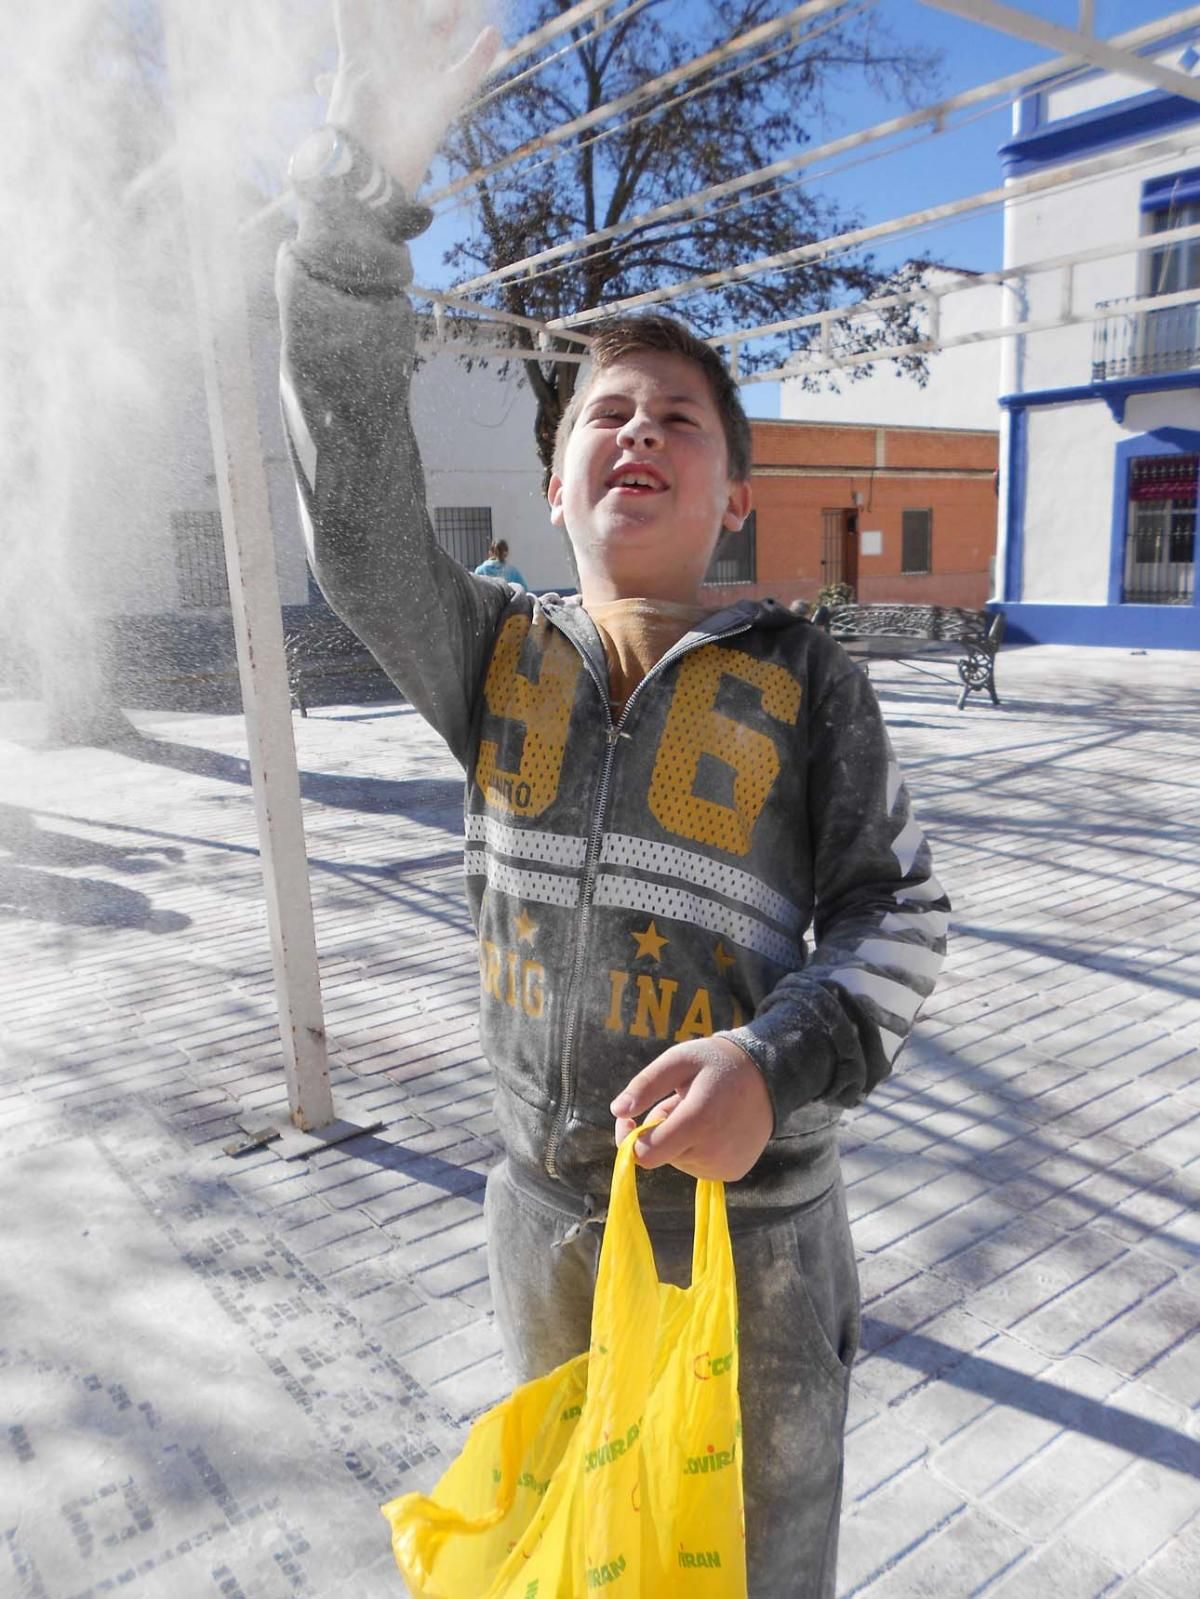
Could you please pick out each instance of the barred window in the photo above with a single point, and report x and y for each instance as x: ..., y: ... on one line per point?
x: 464, y: 531
x: 1160, y: 533
x: 735, y: 558
x: 199, y: 560
x: 916, y: 541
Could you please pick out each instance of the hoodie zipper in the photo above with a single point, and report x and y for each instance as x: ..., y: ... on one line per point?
x: 590, y: 872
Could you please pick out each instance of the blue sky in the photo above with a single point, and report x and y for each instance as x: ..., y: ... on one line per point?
x: 934, y: 169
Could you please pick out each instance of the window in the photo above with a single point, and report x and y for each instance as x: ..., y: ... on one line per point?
x: 1169, y: 340
x: 1160, y: 531
x: 734, y: 560
x: 1173, y: 202
x: 199, y: 560
x: 464, y: 531
x: 916, y: 541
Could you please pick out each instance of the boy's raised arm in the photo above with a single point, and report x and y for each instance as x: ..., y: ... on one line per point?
x: 347, y: 356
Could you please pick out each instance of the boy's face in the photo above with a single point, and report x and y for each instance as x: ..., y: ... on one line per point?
x: 644, y: 490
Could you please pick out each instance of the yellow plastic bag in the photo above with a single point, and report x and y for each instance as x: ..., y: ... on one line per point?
x: 620, y: 1473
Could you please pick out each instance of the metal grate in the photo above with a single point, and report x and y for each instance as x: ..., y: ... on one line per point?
x: 735, y: 559
x: 200, y: 572
x: 916, y: 541
x: 1160, y: 532
x: 464, y: 531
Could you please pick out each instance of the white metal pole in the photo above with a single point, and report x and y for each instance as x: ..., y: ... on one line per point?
x: 1100, y: 52
x: 961, y: 283
x: 1099, y: 313
x: 208, y: 195
x: 652, y: 89
x: 1014, y: 190
x: 1011, y: 84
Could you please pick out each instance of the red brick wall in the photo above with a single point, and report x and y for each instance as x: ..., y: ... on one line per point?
x: 947, y: 472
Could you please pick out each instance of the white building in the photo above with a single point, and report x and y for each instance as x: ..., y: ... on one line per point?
x: 1101, y: 443
x: 482, y: 473
x: 962, y: 385
x: 159, y: 584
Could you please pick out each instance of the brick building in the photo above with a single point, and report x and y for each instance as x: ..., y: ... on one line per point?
x: 899, y: 513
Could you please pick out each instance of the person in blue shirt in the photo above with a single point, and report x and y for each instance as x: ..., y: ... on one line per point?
x: 498, y: 565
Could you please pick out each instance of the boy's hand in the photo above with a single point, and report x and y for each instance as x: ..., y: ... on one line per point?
x: 718, y: 1113
x: 398, y: 84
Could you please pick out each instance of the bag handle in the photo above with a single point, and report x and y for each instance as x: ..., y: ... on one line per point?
x: 625, y: 1229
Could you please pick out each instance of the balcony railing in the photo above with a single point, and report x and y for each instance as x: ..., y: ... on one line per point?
x: 1131, y: 344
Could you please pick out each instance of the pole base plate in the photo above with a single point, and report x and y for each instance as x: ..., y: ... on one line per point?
x: 291, y: 1143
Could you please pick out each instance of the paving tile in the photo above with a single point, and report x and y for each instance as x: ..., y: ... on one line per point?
x: 962, y: 1557
x: 1027, y: 1182
x: 1138, y: 1518
x: 1099, y: 1301
x: 1061, y: 1570
x: 1147, y: 1331
x: 890, y: 1524
x: 1175, y: 1570
x: 1044, y: 1276
x: 883, y: 1449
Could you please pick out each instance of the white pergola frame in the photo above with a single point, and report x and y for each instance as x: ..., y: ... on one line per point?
x: 933, y: 116
x: 233, y: 419
x: 933, y: 294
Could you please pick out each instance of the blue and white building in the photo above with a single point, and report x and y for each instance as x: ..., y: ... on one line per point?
x: 1100, y: 446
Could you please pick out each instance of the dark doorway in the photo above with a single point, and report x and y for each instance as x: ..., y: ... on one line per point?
x: 839, y: 547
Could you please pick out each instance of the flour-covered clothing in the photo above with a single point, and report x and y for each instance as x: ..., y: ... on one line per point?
x: 730, y: 848
x: 735, y: 853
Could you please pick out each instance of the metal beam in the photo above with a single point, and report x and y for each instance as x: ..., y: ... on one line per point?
x: 1099, y: 52
x: 1015, y: 189
x: 503, y: 352
x: 959, y: 284
x: 650, y: 90
x: 1148, y: 302
x: 224, y: 339
x: 489, y: 313
x: 534, y: 41
x: 936, y: 113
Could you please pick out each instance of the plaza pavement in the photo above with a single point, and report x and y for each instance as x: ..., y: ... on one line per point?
x: 213, y: 1370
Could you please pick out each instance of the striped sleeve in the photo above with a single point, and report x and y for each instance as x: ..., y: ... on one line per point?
x: 832, y: 1030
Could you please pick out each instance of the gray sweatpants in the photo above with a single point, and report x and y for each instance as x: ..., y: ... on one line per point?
x: 798, y: 1316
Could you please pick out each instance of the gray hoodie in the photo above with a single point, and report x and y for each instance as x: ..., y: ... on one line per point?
x: 735, y: 854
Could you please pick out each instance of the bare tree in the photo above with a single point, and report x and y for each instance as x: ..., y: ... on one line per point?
x: 735, y: 116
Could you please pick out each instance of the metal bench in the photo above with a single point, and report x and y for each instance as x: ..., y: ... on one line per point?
x: 909, y: 633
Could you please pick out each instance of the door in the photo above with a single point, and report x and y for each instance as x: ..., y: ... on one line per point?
x: 839, y: 547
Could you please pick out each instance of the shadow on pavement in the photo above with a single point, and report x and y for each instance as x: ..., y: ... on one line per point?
x: 32, y: 845
x: 431, y: 1169
x: 41, y: 896
x: 411, y: 797
x: 1109, y: 1424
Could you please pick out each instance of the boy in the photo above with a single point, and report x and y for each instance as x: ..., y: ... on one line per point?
x: 660, y: 803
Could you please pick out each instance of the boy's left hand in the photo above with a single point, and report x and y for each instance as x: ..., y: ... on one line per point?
x: 718, y: 1113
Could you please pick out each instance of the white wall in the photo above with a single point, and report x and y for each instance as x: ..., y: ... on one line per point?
x: 1068, y: 503
x: 1104, y: 211
x: 1070, y: 459
x: 475, y: 429
x: 1101, y: 89
x: 962, y: 388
